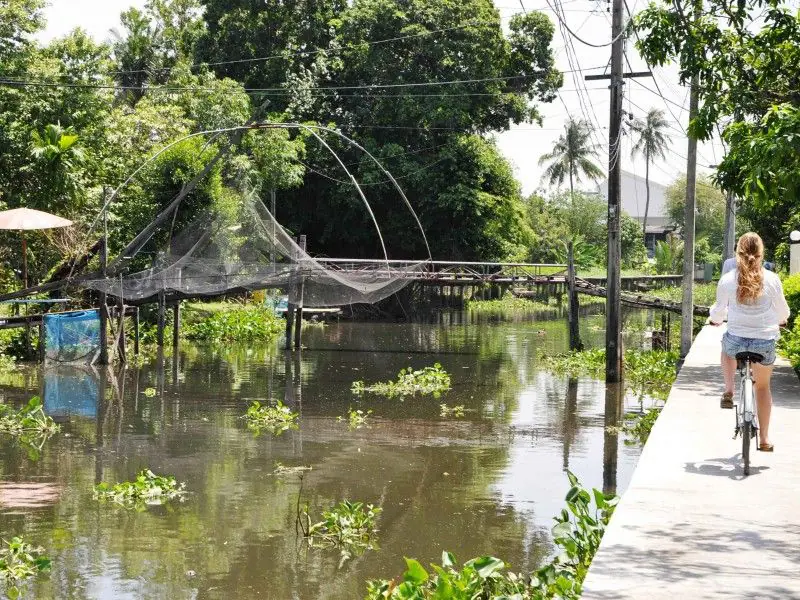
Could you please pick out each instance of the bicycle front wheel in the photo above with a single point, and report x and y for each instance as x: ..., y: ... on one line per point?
x: 747, y: 433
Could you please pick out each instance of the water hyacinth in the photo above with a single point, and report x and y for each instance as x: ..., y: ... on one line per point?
x: 426, y: 381
x: 148, y: 489
x: 276, y: 419
x: 20, y: 561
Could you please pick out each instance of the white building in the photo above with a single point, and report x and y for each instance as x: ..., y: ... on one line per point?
x: 634, y: 199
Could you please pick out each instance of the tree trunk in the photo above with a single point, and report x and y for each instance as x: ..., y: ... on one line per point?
x: 647, y: 196
x: 571, y: 185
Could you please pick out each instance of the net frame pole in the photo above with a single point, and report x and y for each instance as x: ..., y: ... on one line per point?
x: 136, y: 332
x: 121, y: 333
x: 176, y: 327
x: 103, y: 358
x: 160, y: 328
x: 298, y: 325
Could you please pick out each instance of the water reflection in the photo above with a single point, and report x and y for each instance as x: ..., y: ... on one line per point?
x: 488, y: 483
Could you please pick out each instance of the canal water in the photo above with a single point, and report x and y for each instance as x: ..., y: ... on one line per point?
x: 487, y: 483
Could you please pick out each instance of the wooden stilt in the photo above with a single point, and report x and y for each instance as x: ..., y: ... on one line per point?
x: 298, y: 326
x: 176, y: 326
x: 136, y: 332
x: 289, y: 325
x: 160, y: 329
x: 41, y: 345
x: 574, y: 329
x: 121, y: 332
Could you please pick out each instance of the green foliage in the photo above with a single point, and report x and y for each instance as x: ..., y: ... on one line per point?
x: 637, y: 426
x: 276, y: 419
x: 356, y: 418
x: 571, y: 157
x: 646, y: 372
x: 29, y: 425
x: 428, y: 380
x: 245, y: 323
x: 669, y: 256
x: 710, y: 212
x: 148, y: 489
x: 577, y: 532
x: 748, y: 80
x: 791, y: 291
x: 349, y: 526
x: 456, y: 411
x: 703, y: 294
x: 20, y: 561
x: 634, y: 253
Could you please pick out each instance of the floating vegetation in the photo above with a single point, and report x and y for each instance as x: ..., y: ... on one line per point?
x: 150, y: 392
x: 348, y: 526
x: 451, y: 411
x: 147, y: 489
x: 29, y: 425
x: 276, y: 419
x: 284, y: 470
x: 20, y: 561
x: 229, y: 322
x: 356, y: 418
x: 646, y: 372
x: 577, y: 532
x: 429, y: 380
x: 638, y: 425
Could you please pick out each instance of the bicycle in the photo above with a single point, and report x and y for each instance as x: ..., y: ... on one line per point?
x: 746, y: 413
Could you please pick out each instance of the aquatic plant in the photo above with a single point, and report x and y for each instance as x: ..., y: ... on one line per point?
x: 638, y: 425
x: 349, y: 526
x: 357, y: 418
x: 20, y: 561
x: 236, y: 323
x: 276, y: 419
x: 147, y: 489
x: 29, y: 424
x: 650, y: 372
x: 577, y: 532
x: 451, y: 411
x: 428, y: 380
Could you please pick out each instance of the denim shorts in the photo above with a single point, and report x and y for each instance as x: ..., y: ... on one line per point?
x: 733, y: 344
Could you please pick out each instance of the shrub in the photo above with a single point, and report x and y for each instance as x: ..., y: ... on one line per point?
x: 237, y: 324
x: 791, y: 289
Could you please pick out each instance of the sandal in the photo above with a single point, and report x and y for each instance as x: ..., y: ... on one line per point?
x: 766, y: 447
x: 727, y: 400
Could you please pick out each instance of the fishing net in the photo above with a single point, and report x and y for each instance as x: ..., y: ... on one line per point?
x: 216, y: 254
x: 72, y: 336
x: 69, y: 391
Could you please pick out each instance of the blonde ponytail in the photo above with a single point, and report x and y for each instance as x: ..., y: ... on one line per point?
x: 749, y: 254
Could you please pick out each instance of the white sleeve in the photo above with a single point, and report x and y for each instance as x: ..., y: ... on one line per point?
x: 720, y: 307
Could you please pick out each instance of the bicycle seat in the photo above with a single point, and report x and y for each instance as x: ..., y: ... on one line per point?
x: 753, y: 357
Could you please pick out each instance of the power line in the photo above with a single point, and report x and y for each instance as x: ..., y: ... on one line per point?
x: 317, y: 50
x: 281, y: 90
x: 579, y: 38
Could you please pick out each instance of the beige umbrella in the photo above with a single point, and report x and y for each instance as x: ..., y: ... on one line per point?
x: 26, y: 219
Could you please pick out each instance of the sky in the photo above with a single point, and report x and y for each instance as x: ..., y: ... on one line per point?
x: 523, y: 144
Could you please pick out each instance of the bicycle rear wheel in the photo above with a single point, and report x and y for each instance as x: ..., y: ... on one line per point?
x: 747, y: 433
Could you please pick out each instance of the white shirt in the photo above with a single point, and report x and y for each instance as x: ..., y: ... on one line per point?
x: 729, y: 265
x: 758, y: 320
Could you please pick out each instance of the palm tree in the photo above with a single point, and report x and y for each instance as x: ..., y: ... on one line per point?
x: 56, y: 147
x: 572, y: 156
x: 652, y: 143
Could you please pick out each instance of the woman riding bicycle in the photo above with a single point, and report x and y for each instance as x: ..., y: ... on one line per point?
x: 753, y: 298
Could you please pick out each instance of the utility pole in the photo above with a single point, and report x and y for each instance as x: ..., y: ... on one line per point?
x: 729, y: 235
x: 614, y: 282
x: 687, y: 306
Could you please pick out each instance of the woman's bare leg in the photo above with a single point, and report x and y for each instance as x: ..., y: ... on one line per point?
x: 728, y: 371
x: 762, y: 376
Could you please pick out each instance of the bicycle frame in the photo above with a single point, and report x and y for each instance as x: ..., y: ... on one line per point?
x: 746, y: 407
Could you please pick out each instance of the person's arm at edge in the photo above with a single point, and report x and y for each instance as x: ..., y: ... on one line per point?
x: 779, y: 303
x: 717, y: 313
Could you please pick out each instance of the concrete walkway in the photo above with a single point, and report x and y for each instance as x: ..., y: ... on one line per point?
x: 690, y: 525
